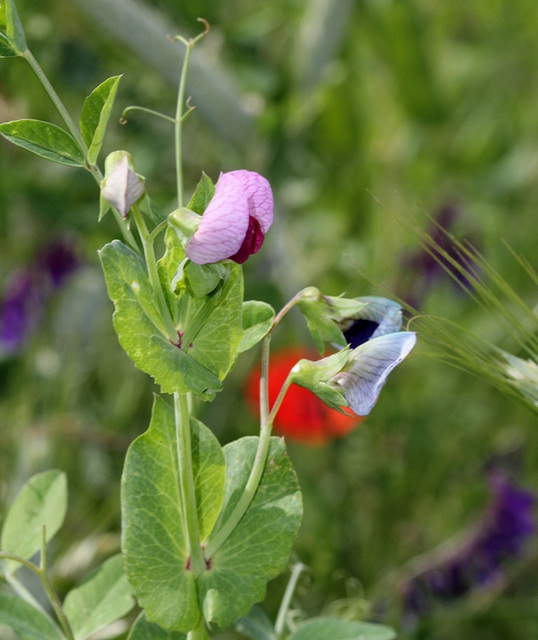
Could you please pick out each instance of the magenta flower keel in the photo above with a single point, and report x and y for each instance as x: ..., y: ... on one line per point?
x: 235, y: 221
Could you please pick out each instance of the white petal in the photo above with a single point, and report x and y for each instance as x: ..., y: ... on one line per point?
x: 370, y: 366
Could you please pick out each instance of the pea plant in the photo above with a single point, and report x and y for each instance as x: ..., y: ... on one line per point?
x: 204, y: 527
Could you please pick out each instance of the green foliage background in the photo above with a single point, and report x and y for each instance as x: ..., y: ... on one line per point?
x: 363, y: 115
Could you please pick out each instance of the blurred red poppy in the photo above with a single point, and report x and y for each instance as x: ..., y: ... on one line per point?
x: 302, y: 417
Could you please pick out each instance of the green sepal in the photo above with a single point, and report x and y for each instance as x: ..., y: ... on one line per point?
x: 95, y: 115
x: 12, y: 38
x: 25, y: 620
x: 202, y: 194
x: 203, y: 279
x: 137, y: 321
x: 314, y: 375
x: 44, y: 139
x: 103, y: 597
x: 153, y: 537
x: 258, y: 549
x: 324, y: 628
x: 257, y: 322
x: 42, y: 502
x: 319, y: 319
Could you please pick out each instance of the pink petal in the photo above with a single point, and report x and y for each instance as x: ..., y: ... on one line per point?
x: 260, y: 196
x: 223, y: 225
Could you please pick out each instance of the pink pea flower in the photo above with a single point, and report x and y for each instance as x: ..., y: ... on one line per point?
x: 235, y: 221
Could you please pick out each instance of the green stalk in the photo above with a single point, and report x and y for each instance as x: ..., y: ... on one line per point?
x: 259, y: 461
x: 73, y: 129
x: 189, y: 45
x: 56, y: 100
x: 47, y: 586
x: 286, y: 600
x: 151, y: 262
x: 186, y: 482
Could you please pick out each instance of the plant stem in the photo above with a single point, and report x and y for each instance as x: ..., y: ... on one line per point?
x: 178, y: 122
x: 153, y: 272
x: 259, y: 460
x: 286, y: 600
x: 41, y: 572
x: 186, y: 482
x: 73, y: 129
x: 198, y: 633
x: 56, y: 100
x: 189, y: 46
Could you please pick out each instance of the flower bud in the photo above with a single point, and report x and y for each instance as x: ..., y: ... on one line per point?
x: 122, y: 186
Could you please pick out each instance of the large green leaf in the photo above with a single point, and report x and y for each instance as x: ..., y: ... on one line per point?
x: 25, y: 620
x: 154, y: 539
x: 44, y: 139
x: 12, y: 39
x: 41, y: 502
x: 210, y: 324
x: 323, y: 628
x: 103, y: 597
x: 259, y: 547
x: 144, y: 630
x: 139, y: 327
x: 95, y: 115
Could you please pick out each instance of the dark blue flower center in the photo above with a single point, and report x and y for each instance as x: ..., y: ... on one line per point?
x: 360, y: 332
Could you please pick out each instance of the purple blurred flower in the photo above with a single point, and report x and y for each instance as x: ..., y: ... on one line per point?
x: 478, y: 561
x: 20, y: 310
x: 235, y: 221
x: 27, y: 291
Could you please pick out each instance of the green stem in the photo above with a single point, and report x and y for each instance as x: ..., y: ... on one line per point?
x: 186, y: 482
x: 180, y: 116
x: 178, y: 122
x: 64, y: 114
x: 56, y: 100
x: 286, y: 600
x: 41, y: 572
x: 153, y: 272
x: 259, y: 461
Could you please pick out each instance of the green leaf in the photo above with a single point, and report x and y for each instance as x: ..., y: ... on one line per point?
x: 202, y: 195
x: 257, y: 321
x: 25, y: 620
x: 144, y: 630
x: 44, y: 139
x: 211, y: 325
x: 139, y: 327
x: 41, y: 501
x: 154, y: 541
x: 104, y: 596
x: 95, y: 115
x: 323, y: 628
x: 259, y: 547
x: 12, y: 39
x: 256, y: 625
